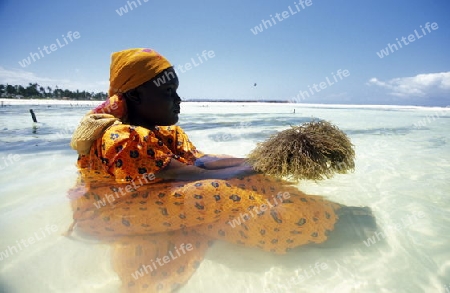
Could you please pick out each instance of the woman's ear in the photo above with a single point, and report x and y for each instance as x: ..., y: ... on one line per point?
x: 133, y: 96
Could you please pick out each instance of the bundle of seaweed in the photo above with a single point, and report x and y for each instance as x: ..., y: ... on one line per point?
x: 314, y: 150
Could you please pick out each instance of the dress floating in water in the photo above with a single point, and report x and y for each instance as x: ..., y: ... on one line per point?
x: 152, y: 219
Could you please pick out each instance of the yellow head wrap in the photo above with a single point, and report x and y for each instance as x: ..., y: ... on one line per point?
x: 129, y: 69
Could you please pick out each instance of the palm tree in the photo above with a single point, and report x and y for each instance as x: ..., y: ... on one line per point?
x: 20, y: 90
x: 35, y: 90
x: 49, y: 91
x: 32, y: 90
x: 10, y: 90
x: 42, y: 90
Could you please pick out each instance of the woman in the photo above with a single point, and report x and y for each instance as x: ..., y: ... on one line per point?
x: 145, y: 187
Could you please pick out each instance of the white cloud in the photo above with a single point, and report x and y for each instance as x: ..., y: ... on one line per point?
x: 22, y: 77
x: 421, y: 85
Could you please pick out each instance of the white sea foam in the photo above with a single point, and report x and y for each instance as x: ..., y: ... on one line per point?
x: 39, y: 102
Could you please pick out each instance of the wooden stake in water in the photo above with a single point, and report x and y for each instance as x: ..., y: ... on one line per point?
x: 33, y: 116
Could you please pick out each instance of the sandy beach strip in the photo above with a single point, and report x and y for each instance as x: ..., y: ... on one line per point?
x: 83, y: 103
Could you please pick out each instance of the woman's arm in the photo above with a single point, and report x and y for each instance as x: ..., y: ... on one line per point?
x: 213, y: 163
x: 176, y: 170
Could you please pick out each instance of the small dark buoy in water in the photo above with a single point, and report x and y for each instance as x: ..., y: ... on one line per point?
x: 33, y: 116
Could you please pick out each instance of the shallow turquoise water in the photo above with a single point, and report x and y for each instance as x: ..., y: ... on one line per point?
x: 402, y: 173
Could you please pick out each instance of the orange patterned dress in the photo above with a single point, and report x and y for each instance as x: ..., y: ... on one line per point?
x: 119, y: 200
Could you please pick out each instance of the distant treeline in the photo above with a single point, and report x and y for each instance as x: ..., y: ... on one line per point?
x: 36, y: 91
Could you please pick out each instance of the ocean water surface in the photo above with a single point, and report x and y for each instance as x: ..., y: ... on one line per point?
x: 402, y: 173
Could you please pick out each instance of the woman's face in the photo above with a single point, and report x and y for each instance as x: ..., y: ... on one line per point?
x: 156, y: 102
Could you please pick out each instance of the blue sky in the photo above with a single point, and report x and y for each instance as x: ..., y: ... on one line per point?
x: 297, y: 58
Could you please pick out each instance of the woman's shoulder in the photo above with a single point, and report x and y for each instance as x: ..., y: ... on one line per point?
x: 169, y: 136
x: 127, y: 128
x: 169, y: 130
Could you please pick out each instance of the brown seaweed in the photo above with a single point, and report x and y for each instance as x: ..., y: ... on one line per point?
x: 315, y: 150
